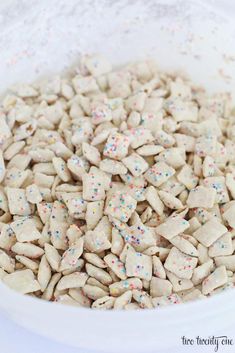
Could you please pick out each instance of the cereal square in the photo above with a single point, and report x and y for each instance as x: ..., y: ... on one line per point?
x: 94, y: 213
x: 201, y: 197
x: 181, y: 110
x: 138, y: 265
x: 22, y: 281
x: 100, y: 113
x: 17, y: 201
x: 96, y: 241
x: 222, y: 246
x: 180, y: 264
x: 77, y: 166
x: 93, y: 186
x: 116, y: 146
x: 76, y: 204
x: 139, y: 236
x: 33, y: 194
x: 121, y: 206
x: 97, y: 65
x: 172, y: 227
x: 139, y: 136
x: 136, y: 164
x: 135, y: 186
x: 209, y: 232
x: 159, y: 173
x: 25, y: 230
x: 218, y: 183
x: 173, y: 186
x: 84, y: 84
x: 175, y: 157
x: 229, y: 216
x: 187, y: 177
x: 216, y: 279
x: 206, y: 145
x: 159, y: 287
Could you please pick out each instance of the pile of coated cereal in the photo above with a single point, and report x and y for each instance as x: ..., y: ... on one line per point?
x: 117, y: 188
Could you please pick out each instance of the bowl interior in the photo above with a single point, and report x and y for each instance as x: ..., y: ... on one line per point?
x: 40, y: 38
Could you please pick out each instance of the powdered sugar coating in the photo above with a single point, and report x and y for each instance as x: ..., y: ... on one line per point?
x: 117, y: 188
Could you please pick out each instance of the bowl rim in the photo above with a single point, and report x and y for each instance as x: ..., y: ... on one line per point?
x: 216, y: 304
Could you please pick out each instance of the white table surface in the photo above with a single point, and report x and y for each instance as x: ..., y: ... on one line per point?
x: 15, y: 339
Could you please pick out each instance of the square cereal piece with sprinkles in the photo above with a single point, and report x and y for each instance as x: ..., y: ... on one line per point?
x: 138, y: 265
x: 3, y: 201
x: 180, y: 264
x: 77, y: 166
x: 44, y: 210
x: 218, y: 183
x: 175, y: 157
x: 173, y: 186
x: 33, y: 194
x: 166, y: 300
x: 96, y: 65
x: 93, y: 186
x: 164, y: 139
x: 116, y: 146
x: 216, y: 279
x: 209, y: 167
x: 136, y: 164
x: 94, y: 213
x: 152, y: 120
x: 185, y: 141
x: 58, y: 231
x: 135, y: 186
x: 229, y: 216
x: 159, y: 287
x: 84, y: 84
x: 76, y: 204
x: 113, y: 167
x: 25, y: 230
x: 116, y: 265
x: 15, y: 177
x: 121, y: 206
x: 136, y: 101
x: 181, y: 110
x: 139, y: 136
x: 187, y: 177
x: 96, y: 241
x: 7, y: 238
x: 18, y: 204
x: 139, y: 236
x: 221, y: 156
x: 222, y: 246
x: 100, y: 113
x: 206, y: 145
x: 159, y: 173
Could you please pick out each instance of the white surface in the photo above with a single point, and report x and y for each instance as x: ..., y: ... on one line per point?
x: 39, y: 37
x: 25, y: 341
x: 15, y: 339
x: 156, y: 331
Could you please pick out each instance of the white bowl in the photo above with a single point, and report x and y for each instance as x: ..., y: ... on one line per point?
x: 45, y: 37
x: 120, y: 331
